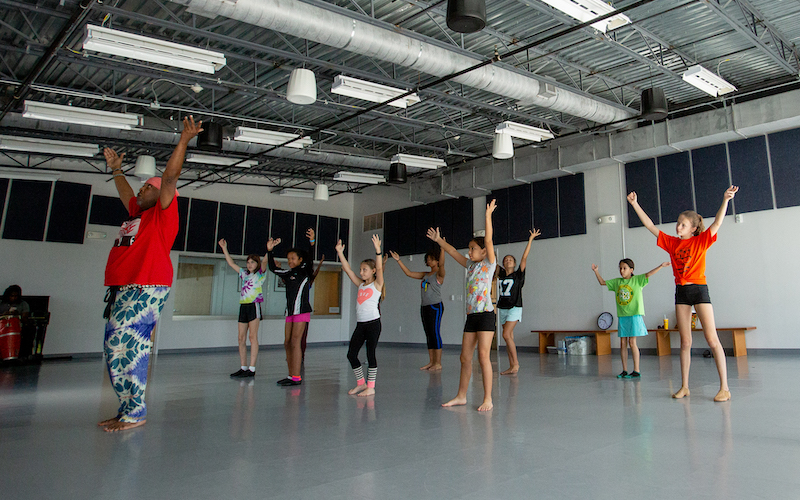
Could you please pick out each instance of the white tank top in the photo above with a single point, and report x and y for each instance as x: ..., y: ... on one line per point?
x: 367, y: 302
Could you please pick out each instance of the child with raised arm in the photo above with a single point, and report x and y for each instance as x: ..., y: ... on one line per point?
x: 509, y: 301
x: 368, y: 316
x: 432, y: 307
x: 250, y: 299
x: 630, y: 310
x: 687, y: 253
x: 298, y: 279
x: 480, y: 325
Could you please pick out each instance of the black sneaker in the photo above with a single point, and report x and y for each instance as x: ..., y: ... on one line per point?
x: 634, y: 375
x: 293, y: 382
x: 240, y: 373
x: 284, y: 381
x: 623, y: 374
x: 248, y: 374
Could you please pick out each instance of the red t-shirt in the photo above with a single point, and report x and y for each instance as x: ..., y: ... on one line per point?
x: 141, y: 251
x: 688, y: 256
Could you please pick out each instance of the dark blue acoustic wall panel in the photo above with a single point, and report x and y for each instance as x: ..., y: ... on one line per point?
x: 108, y: 211
x: 406, y: 240
x: 711, y: 178
x: 256, y: 231
x: 183, y: 219
x: 462, y: 222
x: 423, y: 218
x: 520, y: 212
x: 230, y: 226
x: 571, y: 205
x: 443, y: 218
x: 283, y: 228
x: 675, y: 186
x: 301, y: 224
x: 545, y: 207
x: 783, y: 150
x: 500, y: 217
x: 391, y: 231
x: 3, y: 191
x: 327, y: 235
x: 201, y: 233
x: 27, y: 210
x: 344, y: 235
x: 749, y: 168
x: 68, y: 212
x: 640, y: 176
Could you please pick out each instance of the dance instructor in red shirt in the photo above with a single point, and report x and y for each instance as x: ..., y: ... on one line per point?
x: 139, y: 274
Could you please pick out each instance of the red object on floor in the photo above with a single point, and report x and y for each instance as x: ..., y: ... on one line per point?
x: 10, y: 329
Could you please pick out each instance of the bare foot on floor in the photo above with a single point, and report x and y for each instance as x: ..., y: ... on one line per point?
x: 426, y: 367
x: 435, y: 368
x: 722, y: 395
x: 123, y: 426
x: 369, y: 392
x: 486, y: 406
x: 357, y: 389
x: 682, y: 393
x: 511, y: 371
x: 455, y: 402
x: 106, y: 423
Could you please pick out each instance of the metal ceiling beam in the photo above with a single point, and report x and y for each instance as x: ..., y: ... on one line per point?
x: 750, y: 31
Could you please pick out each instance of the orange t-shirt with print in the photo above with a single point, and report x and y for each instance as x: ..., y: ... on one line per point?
x: 688, y: 257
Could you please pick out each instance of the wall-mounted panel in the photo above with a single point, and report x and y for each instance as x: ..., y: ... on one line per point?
x: 711, y: 178
x: 107, y: 211
x: 183, y: 219
x: 391, y: 231
x: 344, y: 235
x: 443, y: 218
x: 68, y: 212
x: 3, y: 192
x: 640, y: 176
x: 27, y: 210
x: 783, y: 147
x: 674, y: 185
x: 406, y: 226
x: 202, y: 230
x: 520, y: 212
x: 423, y: 219
x: 750, y: 168
x: 231, y: 227
x: 302, y: 223
x: 500, y: 217
x: 283, y: 228
x: 545, y: 207
x: 327, y: 235
x: 256, y: 231
x: 571, y: 205
x: 462, y: 222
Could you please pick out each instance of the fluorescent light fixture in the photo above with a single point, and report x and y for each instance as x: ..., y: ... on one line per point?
x: 45, y: 146
x: 296, y: 193
x: 418, y: 161
x: 586, y: 10
x: 707, y: 81
x: 373, y: 92
x: 219, y: 160
x: 525, y: 132
x: 270, y: 137
x: 29, y: 174
x: 80, y: 116
x: 357, y: 177
x: 142, y: 48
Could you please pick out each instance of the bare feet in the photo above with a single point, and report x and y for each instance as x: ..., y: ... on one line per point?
x: 106, y: 423
x: 369, y: 392
x: 511, y: 371
x: 123, y: 426
x: 435, y: 368
x: 357, y: 389
x: 486, y: 406
x: 682, y: 393
x: 456, y: 401
x: 426, y: 367
x: 722, y: 395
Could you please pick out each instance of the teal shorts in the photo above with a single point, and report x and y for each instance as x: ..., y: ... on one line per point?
x: 631, y: 326
x: 513, y: 314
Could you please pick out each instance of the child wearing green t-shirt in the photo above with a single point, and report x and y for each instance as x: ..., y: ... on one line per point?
x: 630, y: 310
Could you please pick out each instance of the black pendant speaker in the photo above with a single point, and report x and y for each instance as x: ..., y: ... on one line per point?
x: 397, y: 173
x: 654, y: 104
x: 466, y: 16
x: 210, y: 139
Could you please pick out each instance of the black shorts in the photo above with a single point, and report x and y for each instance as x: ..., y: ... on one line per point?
x: 481, y: 322
x: 692, y: 294
x: 249, y: 312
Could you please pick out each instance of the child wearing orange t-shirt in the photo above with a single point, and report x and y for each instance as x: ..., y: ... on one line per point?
x: 687, y: 252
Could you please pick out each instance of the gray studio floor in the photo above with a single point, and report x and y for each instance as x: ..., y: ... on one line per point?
x: 565, y: 427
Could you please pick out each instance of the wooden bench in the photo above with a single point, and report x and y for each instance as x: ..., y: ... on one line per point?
x: 663, y: 347
x: 603, y: 337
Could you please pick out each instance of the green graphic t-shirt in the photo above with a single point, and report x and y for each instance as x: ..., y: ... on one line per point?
x: 629, y: 294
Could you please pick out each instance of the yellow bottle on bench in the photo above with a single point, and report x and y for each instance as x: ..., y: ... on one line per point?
x: 666, y: 323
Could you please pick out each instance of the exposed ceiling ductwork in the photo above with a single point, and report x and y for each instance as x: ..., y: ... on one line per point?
x: 324, y: 26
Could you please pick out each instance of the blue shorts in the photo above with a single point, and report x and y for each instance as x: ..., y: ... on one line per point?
x: 513, y: 314
x: 631, y: 326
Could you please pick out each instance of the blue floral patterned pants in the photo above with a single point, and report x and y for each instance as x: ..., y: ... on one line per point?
x: 127, y: 346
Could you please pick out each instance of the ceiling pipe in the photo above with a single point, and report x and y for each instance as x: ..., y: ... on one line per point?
x: 323, y: 26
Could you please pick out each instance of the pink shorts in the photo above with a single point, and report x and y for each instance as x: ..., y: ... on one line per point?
x: 299, y: 318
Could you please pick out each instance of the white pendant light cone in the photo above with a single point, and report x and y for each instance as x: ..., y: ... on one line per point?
x: 302, y: 88
x: 503, y: 147
x: 145, y: 167
x: 321, y: 192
